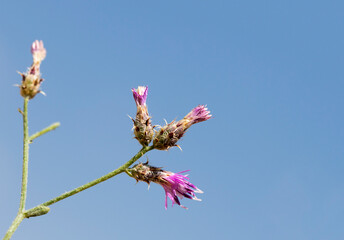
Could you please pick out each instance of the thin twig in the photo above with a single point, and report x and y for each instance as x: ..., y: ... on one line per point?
x: 99, y: 180
x: 44, y: 131
x: 25, y: 157
x: 20, y: 215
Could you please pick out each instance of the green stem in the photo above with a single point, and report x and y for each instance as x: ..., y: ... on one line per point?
x: 14, y: 226
x: 45, y: 130
x: 31, y: 212
x: 99, y: 180
x: 25, y: 157
x: 20, y: 215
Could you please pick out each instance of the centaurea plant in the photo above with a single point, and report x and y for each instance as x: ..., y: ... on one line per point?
x: 176, y: 185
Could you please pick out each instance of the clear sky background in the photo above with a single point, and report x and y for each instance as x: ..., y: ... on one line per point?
x: 270, y: 162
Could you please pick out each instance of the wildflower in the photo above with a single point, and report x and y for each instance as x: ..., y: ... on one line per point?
x: 31, y: 80
x: 143, y: 129
x: 38, y: 51
x: 140, y: 95
x: 198, y: 114
x: 169, y: 135
x: 175, y: 185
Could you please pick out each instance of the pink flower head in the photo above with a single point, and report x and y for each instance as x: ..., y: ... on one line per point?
x: 177, y: 185
x: 31, y: 80
x: 198, y: 114
x: 169, y: 135
x: 143, y: 129
x: 38, y: 51
x: 140, y: 95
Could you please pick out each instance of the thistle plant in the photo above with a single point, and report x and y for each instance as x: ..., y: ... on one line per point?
x: 176, y: 185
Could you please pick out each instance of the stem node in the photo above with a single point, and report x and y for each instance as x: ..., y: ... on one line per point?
x: 36, y: 211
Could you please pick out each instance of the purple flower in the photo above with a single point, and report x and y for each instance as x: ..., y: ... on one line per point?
x: 143, y: 129
x: 140, y: 95
x: 176, y: 185
x: 169, y: 135
x: 31, y: 80
x: 198, y: 114
x: 38, y: 51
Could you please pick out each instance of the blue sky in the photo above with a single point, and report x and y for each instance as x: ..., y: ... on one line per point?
x: 270, y: 162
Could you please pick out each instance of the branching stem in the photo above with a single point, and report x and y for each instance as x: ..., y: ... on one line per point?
x: 99, y: 180
x: 26, y: 141
x: 44, y: 131
x: 14, y: 226
x: 22, y: 212
x: 42, y: 208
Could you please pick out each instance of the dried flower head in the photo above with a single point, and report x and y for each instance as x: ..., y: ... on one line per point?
x: 31, y: 80
x: 175, y: 185
x: 169, y: 135
x: 143, y: 129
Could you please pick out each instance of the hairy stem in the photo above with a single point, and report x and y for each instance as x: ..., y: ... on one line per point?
x: 20, y: 215
x: 42, y: 208
x: 115, y: 172
x: 99, y: 180
x: 25, y: 157
x: 44, y: 131
x: 14, y: 226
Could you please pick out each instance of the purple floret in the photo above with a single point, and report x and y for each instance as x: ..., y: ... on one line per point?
x: 199, y: 114
x: 177, y: 185
x: 140, y: 95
